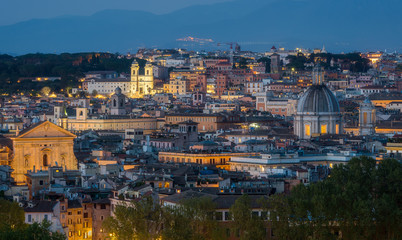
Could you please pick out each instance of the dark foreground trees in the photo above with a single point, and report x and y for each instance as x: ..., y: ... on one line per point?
x: 12, y: 225
x: 360, y: 200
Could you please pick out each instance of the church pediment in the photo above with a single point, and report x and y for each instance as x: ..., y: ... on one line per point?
x: 43, y: 130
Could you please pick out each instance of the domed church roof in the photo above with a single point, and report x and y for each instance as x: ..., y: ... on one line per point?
x: 318, y: 99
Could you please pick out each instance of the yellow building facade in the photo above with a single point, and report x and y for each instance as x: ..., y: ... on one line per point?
x: 177, y: 86
x: 141, y: 84
x: 219, y: 159
x: 82, y: 123
x: 41, y: 146
x: 76, y: 219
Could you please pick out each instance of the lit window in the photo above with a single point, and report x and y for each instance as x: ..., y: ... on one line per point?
x: 307, y: 131
x: 323, y: 128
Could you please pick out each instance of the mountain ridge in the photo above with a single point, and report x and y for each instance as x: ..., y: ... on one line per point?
x: 303, y: 23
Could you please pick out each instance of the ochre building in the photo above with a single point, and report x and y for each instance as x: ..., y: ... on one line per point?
x: 41, y: 146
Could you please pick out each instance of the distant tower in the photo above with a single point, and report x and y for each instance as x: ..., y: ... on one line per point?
x: 188, y: 133
x: 318, y: 75
x: 81, y: 113
x: 135, y: 68
x: 275, y: 63
x: 117, y: 103
x: 323, y: 49
x: 367, y: 118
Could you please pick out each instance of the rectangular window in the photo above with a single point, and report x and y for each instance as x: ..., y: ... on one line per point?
x: 29, y: 218
x: 218, y: 216
x: 307, y: 130
x: 324, y: 129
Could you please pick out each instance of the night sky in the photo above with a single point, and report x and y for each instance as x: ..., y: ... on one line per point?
x: 13, y: 11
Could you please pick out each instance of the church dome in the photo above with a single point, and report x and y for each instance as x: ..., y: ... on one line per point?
x: 117, y: 91
x: 318, y: 99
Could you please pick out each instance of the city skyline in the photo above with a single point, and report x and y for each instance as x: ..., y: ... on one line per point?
x: 201, y: 119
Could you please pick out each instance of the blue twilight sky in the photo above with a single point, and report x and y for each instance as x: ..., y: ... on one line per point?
x: 13, y: 11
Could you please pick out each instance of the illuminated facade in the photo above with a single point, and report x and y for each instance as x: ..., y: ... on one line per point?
x: 41, y: 146
x: 177, y: 86
x: 141, y: 84
x: 82, y: 122
x: 76, y: 218
x: 318, y: 110
x: 200, y: 158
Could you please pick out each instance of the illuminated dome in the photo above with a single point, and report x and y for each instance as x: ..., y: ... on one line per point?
x: 318, y: 99
x: 318, y: 110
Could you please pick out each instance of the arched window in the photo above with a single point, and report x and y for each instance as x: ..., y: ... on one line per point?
x: 114, y: 103
x: 45, y: 160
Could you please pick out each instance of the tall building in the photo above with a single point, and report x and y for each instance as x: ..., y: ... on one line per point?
x: 118, y: 103
x: 366, y: 118
x: 141, y: 84
x: 318, y: 110
x: 275, y: 63
x: 41, y: 146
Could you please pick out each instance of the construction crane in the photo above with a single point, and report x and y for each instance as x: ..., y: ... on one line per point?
x: 237, y: 46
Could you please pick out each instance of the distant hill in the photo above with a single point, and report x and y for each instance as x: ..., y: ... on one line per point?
x: 342, y: 25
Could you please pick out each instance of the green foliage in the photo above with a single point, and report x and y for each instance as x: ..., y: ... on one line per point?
x: 12, y: 225
x: 355, y: 62
x: 243, y: 63
x: 267, y: 62
x: 297, y: 62
x: 250, y: 227
x: 193, y: 219
x: 139, y: 220
x: 360, y: 200
x: 70, y: 67
x: 12, y: 216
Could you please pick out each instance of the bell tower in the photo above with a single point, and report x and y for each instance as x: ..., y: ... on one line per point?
x: 118, y: 103
x: 135, y: 68
x: 367, y: 118
x: 318, y: 75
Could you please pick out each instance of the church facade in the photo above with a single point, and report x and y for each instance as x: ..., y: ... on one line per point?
x: 141, y: 84
x: 318, y: 110
x: 41, y: 146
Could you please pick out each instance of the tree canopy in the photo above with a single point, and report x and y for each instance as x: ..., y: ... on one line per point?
x: 360, y: 200
x: 16, y: 71
x: 12, y: 225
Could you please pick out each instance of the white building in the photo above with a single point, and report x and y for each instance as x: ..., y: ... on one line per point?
x: 108, y: 86
x: 255, y: 87
x: 44, y: 211
x: 269, y: 164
